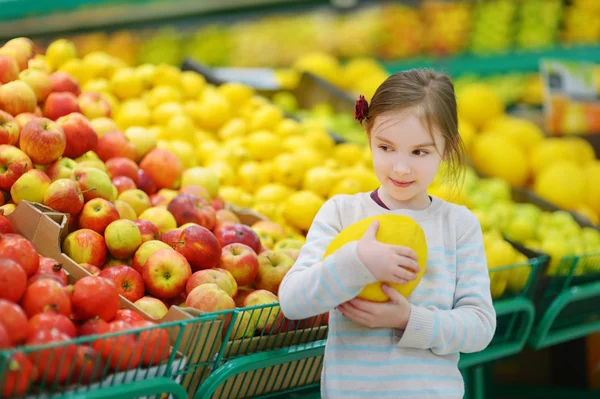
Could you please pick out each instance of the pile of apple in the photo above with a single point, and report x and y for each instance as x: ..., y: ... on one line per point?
x: 137, y: 218
x: 38, y: 306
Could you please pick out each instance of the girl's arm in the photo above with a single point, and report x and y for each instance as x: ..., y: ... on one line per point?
x: 313, y: 286
x: 470, y: 325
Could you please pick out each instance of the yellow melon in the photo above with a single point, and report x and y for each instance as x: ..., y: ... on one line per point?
x: 393, y: 230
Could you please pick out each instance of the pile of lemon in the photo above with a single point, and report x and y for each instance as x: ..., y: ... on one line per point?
x: 232, y: 141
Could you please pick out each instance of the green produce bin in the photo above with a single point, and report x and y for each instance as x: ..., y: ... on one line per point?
x: 274, y: 365
x: 123, y: 364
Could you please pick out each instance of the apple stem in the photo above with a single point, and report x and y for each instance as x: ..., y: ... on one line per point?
x: 89, y: 189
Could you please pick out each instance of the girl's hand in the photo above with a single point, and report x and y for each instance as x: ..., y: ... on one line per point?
x: 389, y: 263
x: 392, y: 314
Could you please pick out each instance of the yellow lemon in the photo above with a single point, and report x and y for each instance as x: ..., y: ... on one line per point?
x: 192, y: 84
x: 592, y: 197
x: 498, y: 156
x: 478, y: 103
x: 133, y: 113
x: 301, y: 208
x: 183, y: 150
x: 204, y: 177
x: 59, y: 52
x: 164, y: 112
x: 126, y: 83
x: 562, y: 183
x: 99, y: 85
x: 162, y: 94
x: 263, y: 145
x: 345, y: 186
x: 288, y: 127
x: 224, y: 172
x: 393, y: 230
x: 319, y: 180
x: 236, y: 196
x: 235, y: 127
x: 347, y: 154
x: 204, y: 149
x: 320, y: 140
x: 267, y: 117
x: 273, y: 192
x: 288, y: 170
x: 309, y: 157
x: 168, y: 75
x: 251, y: 175
x: 182, y: 127
x: 211, y: 112
x: 523, y: 132
x: 104, y: 125
x: 267, y: 209
x: 236, y: 93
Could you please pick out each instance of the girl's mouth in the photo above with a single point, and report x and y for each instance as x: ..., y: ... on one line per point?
x: 402, y: 184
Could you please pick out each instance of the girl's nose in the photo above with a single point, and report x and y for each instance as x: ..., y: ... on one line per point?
x: 401, y: 168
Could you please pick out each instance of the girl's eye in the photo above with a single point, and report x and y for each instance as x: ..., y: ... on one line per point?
x: 420, y: 152
x: 384, y: 148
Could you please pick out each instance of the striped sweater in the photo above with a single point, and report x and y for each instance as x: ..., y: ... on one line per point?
x: 451, y: 308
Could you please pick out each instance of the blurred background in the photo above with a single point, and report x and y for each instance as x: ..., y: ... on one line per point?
x: 527, y: 77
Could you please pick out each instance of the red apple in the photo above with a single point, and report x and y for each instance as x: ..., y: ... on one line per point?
x: 93, y: 105
x: 63, y: 82
x: 209, y: 298
x: 144, y: 251
x: 42, y: 140
x: 146, y: 183
x: 20, y: 250
x: 18, y: 377
x: 94, y: 183
x: 225, y: 216
x: 9, y: 129
x: 165, y: 273
x: 219, y: 277
x: 115, y: 145
x: 123, y: 183
x: 97, y: 214
x: 95, y: 326
x: 63, y: 195
x: 51, y: 267
x: 88, y: 365
x: 93, y: 270
x: 13, y: 280
x: 5, y: 226
x: 17, y: 97
x: 158, y: 200
x: 128, y: 316
x: 80, y: 135
x: 39, y: 81
x: 148, y: 229
x: 172, y: 238
x: 163, y: 167
x: 20, y: 54
x: 85, y: 246
x: 189, y: 208
x: 54, y: 362
x: 123, y: 167
x: 155, y: 338
x: 60, y: 104
x: 241, y: 295
x: 9, y: 70
x: 61, y: 169
x: 49, y: 320
x: 238, y: 233
x: 198, y: 191
x: 218, y: 203
x: 155, y: 308
x: 272, y: 268
x: 23, y: 118
x: 46, y: 295
x: 94, y: 296
x: 200, y: 247
x: 241, y: 261
x: 14, y: 321
x: 129, y: 283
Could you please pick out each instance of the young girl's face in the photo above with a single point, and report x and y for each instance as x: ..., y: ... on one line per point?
x: 405, y: 157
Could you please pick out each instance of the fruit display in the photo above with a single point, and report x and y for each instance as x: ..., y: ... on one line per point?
x: 493, y: 26
x: 41, y: 304
x: 387, y: 31
x: 538, y: 23
x: 564, y: 170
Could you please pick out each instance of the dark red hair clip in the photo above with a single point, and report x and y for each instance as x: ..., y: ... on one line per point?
x: 360, y: 109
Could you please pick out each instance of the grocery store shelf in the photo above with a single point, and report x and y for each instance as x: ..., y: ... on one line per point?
x: 517, y: 61
x: 28, y: 18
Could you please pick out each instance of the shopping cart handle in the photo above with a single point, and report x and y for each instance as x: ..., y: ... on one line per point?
x: 255, y: 361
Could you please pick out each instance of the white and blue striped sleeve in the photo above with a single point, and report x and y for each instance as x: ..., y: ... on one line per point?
x: 314, y: 286
x: 471, y: 324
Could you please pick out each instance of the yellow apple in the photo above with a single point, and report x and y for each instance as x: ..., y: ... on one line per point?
x: 143, y: 140
x: 162, y: 218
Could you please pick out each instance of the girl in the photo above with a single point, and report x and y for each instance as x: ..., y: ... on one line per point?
x: 407, y: 347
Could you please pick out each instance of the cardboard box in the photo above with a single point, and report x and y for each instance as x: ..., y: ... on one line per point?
x: 197, y: 336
